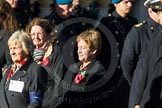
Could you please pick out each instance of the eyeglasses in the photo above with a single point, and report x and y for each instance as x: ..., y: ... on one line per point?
x: 39, y: 34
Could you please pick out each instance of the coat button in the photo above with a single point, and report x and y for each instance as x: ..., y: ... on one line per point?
x: 72, y: 43
x: 83, y: 24
x: 71, y: 54
x: 118, y: 55
x: 26, y: 11
x: 71, y: 32
x: 12, y: 94
x: 151, y: 28
x: 118, y: 67
x: 116, y: 32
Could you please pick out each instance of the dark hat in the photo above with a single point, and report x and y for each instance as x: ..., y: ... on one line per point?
x: 63, y: 1
x: 154, y: 4
x: 115, y: 1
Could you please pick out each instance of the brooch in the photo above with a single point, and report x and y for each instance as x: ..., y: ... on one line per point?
x: 45, y: 61
x: 80, y: 77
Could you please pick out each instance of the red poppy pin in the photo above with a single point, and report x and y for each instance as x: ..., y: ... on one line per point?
x: 80, y: 77
x: 45, y: 61
x: 22, y: 62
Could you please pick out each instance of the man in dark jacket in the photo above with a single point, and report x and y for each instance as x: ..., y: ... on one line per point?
x: 150, y: 87
x: 148, y: 90
x: 135, y: 48
x: 119, y: 22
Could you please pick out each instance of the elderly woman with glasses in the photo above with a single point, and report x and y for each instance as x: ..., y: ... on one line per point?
x: 48, y: 54
x: 24, y: 82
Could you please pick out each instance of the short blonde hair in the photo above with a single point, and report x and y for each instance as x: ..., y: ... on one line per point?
x: 24, y: 39
x: 92, y: 38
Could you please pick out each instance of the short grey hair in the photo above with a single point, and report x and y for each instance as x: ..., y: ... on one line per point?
x: 24, y: 39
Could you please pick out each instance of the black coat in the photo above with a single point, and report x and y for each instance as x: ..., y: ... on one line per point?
x: 134, y: 53
x: 5, y: 58
x: 35, y: 79
x: 119, y: 27
x: 23, y: 13
x: 83, y: 95
x: 150, y: 87
x: 80, y: 11
x: 55, y: 71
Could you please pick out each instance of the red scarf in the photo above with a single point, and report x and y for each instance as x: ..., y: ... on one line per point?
x: 13, y: 69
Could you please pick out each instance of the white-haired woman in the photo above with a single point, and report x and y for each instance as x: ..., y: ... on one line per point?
x: 24, y: 82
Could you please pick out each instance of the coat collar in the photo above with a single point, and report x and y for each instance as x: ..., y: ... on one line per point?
x: 117, y: 16
x: 56, y: 18
x: 89, y: 66
x: 153, y: 26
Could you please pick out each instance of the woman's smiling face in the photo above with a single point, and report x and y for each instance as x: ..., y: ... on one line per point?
x: 38, y: 35
x: 84, y: 52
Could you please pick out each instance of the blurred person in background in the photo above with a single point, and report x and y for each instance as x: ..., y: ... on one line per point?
x: 61, y: 12
x: 80, y: 11
x: 119, y: 22
x: 8, y: 25
x: 66, y: 29
x: 22, y: 11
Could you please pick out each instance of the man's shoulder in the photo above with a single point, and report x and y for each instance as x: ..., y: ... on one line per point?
x: 141, y: 28
x: 141, y: 24
x: 107, y: 20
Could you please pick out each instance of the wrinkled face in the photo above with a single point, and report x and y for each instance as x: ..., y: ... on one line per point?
x: 17, y: 53
x: 38, y: 35
x: 64, y: 11
x: 84, y: 52
x: 13, y: 3
x: 124, y: 6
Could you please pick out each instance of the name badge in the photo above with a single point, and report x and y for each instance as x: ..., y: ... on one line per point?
x: 16, y: 86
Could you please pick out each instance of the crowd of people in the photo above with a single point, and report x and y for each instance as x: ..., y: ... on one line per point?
x: 65, y: 60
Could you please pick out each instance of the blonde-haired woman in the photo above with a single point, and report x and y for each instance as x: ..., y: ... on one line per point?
x: 82, y: 77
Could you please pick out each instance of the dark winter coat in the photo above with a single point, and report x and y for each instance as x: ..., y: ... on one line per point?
x: 5, y: 58
x: 134, y: 54
x: 119, y: 27
x: 150, y: 85
x: 34, y: 78
x: 55, y: 71
x: 83, y: 95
